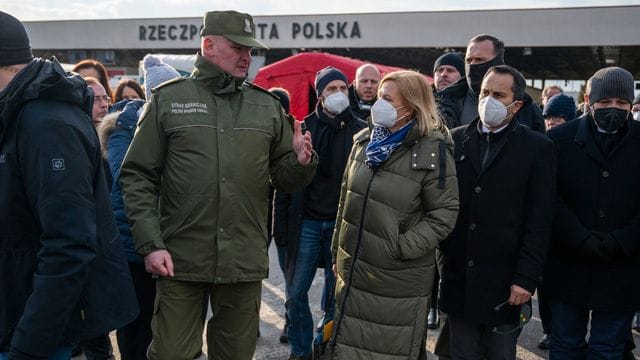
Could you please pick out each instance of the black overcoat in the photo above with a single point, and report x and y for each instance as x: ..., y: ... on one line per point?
x: 596, y: 194
x: 503, y: 227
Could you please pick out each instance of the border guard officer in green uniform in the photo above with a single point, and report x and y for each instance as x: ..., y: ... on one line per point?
x: 195, y: 184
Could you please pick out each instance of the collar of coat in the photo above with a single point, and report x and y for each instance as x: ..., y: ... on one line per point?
x: 585, y: 139
x: 425, y: 155
x: 214, y: 78
x: 584, y: 133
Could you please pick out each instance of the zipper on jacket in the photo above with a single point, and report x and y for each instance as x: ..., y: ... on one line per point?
x: 353, y: 263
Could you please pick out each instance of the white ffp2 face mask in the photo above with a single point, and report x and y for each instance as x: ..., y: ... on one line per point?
x: 492, y: 112
x: 336, y: 103
x: 384, y: 114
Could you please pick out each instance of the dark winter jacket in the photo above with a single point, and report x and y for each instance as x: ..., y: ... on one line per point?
x: 116, y: 132
x: 63, y: 274
x: 359, y: 108
x: 594, y: 260
x: 501, y: 235
x: 451, y: 101
x: 389, y: 223
x: 290, y: 208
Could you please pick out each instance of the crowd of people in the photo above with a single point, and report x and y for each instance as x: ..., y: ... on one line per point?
x: 443, y: 206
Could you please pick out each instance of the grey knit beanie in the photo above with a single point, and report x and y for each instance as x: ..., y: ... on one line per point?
x: 155, y: 73
x: 610, y: 82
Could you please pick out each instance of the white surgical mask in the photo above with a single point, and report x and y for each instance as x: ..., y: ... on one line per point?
x: 492, y: 112
x: 384, y: 114
x: 336, y: 103
x: 636, y: 116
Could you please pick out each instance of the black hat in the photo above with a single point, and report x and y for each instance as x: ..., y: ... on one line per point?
x: 560, y: 105
x: 327, y: 75
x: 454, y: 59
x: 14, y: 41
x: 611, y: 82
x: 235, y: 26
x: 283, y: 96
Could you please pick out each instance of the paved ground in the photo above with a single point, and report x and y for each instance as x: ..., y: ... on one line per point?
x: 272, y: 320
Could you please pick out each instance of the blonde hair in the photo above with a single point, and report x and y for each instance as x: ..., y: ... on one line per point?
x: 416, y: 92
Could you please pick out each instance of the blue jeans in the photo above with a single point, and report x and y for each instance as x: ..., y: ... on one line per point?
x: 314, y: 243
x: 608, y: 335
x: 63, y: 353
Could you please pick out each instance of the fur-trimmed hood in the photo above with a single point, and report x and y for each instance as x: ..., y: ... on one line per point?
x: 105, y: 129
x: 125, y: 115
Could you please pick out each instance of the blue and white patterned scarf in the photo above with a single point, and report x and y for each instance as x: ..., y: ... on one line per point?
x: 383, y: 143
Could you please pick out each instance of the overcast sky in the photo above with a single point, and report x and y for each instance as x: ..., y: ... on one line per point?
x: 108, y: 9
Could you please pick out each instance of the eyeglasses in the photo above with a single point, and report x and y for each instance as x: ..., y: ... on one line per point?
x: 102, y: 98
x: 525, y: 317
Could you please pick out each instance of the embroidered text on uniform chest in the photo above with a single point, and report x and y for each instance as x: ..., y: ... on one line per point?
x: 189, y: 108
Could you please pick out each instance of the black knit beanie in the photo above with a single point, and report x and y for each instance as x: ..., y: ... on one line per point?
x: 560, y: 105
x: 283, y: 96
x: 611, y: 82
x: 327, y: 75
x: 454, y: 59
x: 14, y: 41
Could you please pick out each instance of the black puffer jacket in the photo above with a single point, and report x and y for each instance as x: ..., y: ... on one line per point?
x: 451, y: 101
x: 63, y: 274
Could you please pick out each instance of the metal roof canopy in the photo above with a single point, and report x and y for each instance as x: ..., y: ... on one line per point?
x: 558, y: 43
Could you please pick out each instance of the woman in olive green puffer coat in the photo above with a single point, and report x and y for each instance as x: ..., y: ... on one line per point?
x: 399, y: 200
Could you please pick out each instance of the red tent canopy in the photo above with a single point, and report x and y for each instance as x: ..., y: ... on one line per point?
x: 297, y: 75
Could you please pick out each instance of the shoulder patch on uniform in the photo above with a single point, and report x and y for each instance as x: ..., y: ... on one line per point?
x: 254, y: 86
x: 169, y: 82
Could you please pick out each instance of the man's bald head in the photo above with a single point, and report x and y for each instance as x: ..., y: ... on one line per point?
x: 366, y: 82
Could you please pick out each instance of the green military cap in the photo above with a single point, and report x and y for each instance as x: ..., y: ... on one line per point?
x: 235, y: 26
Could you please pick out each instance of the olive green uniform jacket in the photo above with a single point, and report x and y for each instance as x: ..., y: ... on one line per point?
x: 196, y: 177
x: 389, y: 224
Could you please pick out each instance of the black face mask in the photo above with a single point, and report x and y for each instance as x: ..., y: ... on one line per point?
x: 610, y: 120
x: 476, y: 72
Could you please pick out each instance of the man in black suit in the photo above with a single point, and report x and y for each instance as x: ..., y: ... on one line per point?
x: 494, y: 258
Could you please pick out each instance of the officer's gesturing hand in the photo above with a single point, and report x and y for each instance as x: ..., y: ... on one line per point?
x: 302, y: 144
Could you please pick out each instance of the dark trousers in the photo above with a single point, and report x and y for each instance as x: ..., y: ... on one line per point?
x: 98, y: 348
x: 544, y: 309
x: 135, y: 337
x: 608, y: 334
x: 474, y: 341
x: 433, y: 302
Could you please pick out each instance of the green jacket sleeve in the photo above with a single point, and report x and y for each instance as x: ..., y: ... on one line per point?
x: 286, y: 173
x: 140, y: 178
